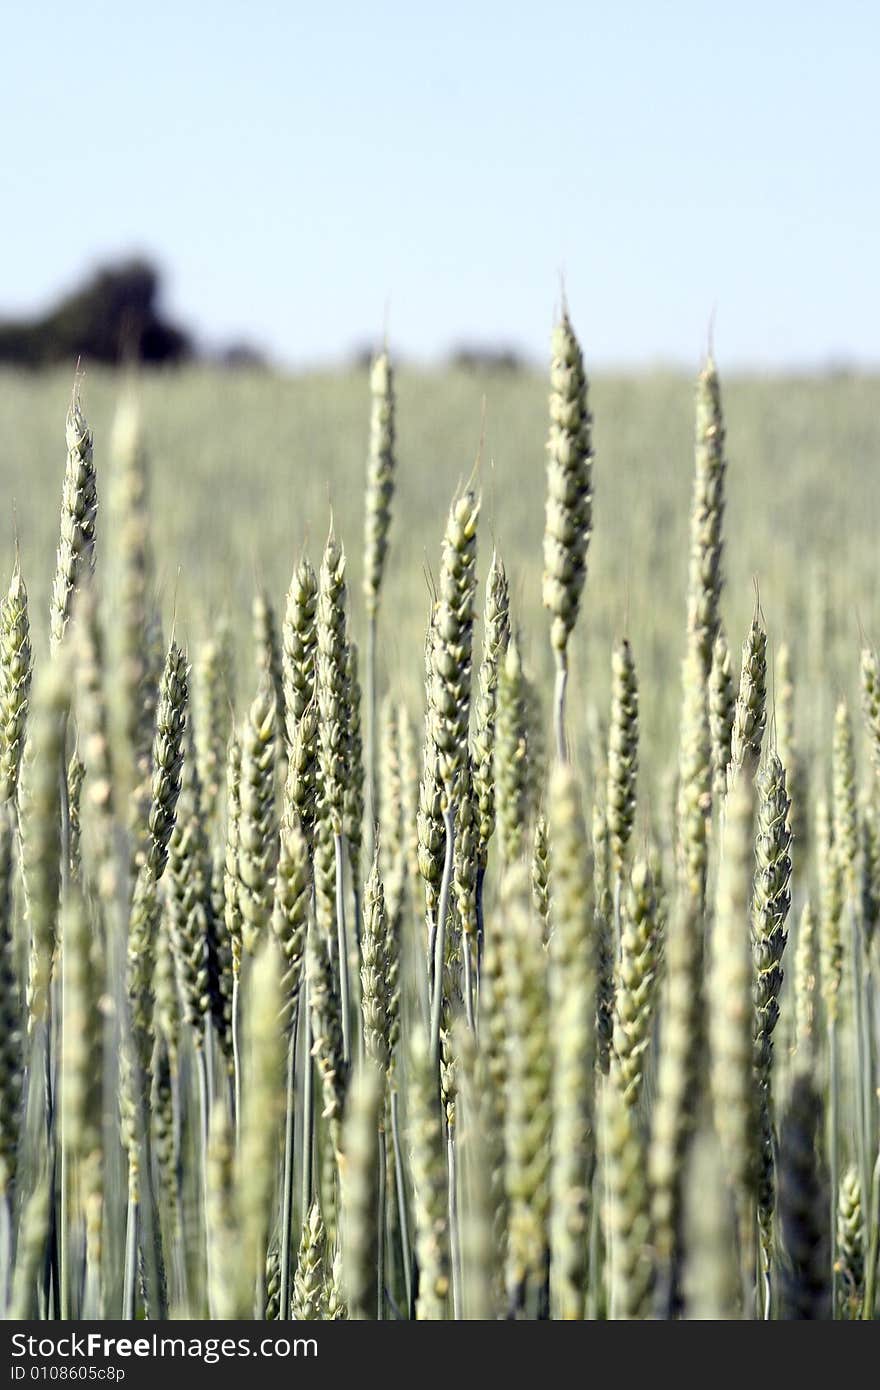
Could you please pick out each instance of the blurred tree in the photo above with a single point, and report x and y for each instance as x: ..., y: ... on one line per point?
x: 242, y: 357
x: 113, y: 318
x: 474, y: 357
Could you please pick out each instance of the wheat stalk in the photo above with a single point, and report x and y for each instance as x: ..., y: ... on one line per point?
x: 16, y: 665
x: 629, y: 1207
x: 707, y: 518
x: 11, y: 1051
x: 641, y: 948
x: 213, y: 676
x: 431, y: 1208
x: 309, y: 1285
x: 572, y: 994
x: 750, y: 714
x: 623, y: 758
x: 770, y: 906
x: 730, y: 1017
x: 257, y: 818
x: 569, y: 513
x: 722, y: 704
x: 528, y: 1095
x: 496, y: 635
x: 79, y: 511
x: 850, y: 1245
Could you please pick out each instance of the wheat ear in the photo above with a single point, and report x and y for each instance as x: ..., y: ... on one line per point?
x: 569, y: 512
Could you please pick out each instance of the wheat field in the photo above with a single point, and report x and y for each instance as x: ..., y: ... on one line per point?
x: 245, y: 470
x: 439, y: 845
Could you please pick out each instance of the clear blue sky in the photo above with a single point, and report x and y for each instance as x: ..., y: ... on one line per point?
x: 295, y: 166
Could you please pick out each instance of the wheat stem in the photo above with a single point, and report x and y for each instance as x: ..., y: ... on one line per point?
x: 381, y: 1218
x: 236, y: 1052
x: 454, y: 1236
x: 5, y: 1251
x: 129, y: 1287
x: 308, y: 1104
x: 439, y: 953
x: 873, y: 1243
x: 287, y: 1180
x: 399, y: 1183
x: 372, y: 729
x: 559, y: 690
x: 342, y: 947
x: 862, y: 1051
x: 833, y: 1145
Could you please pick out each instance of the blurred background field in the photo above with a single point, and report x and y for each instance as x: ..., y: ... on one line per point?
x: 247, y: 465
